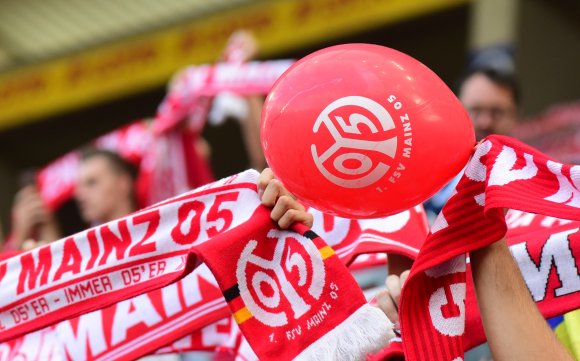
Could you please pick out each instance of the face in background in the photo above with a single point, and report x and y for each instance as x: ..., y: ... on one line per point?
x: 491, y: 106
x: 103, y: 193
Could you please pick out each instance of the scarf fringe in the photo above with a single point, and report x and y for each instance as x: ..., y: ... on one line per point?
x: 365, y: 332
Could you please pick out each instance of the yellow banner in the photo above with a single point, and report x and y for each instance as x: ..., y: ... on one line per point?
x: 134, y: 65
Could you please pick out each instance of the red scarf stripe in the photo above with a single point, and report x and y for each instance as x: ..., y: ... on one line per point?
x: 523, y: 187
x: 432, y: 351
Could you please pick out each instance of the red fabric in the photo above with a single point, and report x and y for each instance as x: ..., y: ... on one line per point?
x: 118, y: 260
x: 502, y: 173
x: 8, y: 252
x: 308, y: 295
x: 548, y: 253
x: 183, y: 308
x: 149, y: 238
x: 394, y: 352
x: 190, y: 94
x: 197, y: 168
x: 170, y: 166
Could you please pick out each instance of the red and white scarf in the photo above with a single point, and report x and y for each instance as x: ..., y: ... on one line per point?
x: 131, y: 328
x: 502, y: 173
x: 120, y: 259
x: 151, y: 248
x: 184, y: 307
x: 189, y: 93
x: 172, y: 165
x: 547, y: 251
x: 545, y: 241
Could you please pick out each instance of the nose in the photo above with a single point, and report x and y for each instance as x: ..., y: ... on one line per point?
x: 482, y: 121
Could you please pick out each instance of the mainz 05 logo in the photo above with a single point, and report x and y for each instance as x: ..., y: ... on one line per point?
x: 264, y: 280
x: 364, y: 142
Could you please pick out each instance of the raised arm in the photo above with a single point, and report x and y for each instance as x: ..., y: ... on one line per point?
x: 514, y: 327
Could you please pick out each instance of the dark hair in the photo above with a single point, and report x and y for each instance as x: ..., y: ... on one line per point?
x: 118, y: 164
x: 503, y: 79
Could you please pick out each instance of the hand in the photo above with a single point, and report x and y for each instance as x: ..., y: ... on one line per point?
x: 28, y: 212
x: 390, y: 299
x: 31, y: 218
x: 242, y: 47
x: 285, y: 208
x: 29, y: 244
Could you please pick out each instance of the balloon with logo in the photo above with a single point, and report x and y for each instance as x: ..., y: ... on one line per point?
x: 364, y: 131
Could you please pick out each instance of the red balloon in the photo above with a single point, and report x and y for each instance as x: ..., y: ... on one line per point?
x: 363, y: 131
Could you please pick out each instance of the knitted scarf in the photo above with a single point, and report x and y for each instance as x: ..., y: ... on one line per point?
x: 502, y: 173
x: 159, y: 245
x: 177, y: 312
